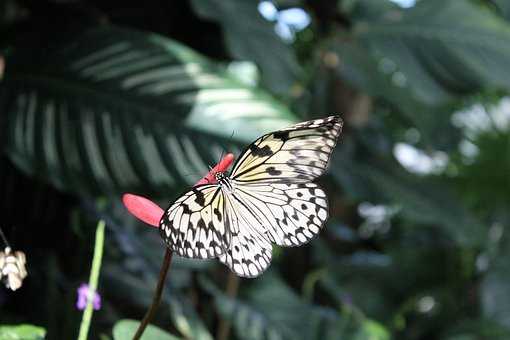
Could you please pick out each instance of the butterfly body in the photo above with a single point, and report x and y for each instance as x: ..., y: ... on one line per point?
x: 223, y: 181
x: 268, y: 197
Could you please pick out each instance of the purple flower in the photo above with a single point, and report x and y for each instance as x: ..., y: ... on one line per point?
x: 83, y: 292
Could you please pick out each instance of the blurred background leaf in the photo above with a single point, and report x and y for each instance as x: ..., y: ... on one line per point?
x: 28, y: 332
x: 132, y: 111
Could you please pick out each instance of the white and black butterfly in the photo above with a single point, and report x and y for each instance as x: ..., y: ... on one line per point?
x: 269, y: 197
x: 12, y: 268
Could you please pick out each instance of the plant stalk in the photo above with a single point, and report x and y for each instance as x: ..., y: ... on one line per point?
x: 94, y: 278
x: 157, y: 295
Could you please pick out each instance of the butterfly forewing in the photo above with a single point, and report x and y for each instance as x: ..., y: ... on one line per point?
x: 194, y: 225
x: 297, y: 154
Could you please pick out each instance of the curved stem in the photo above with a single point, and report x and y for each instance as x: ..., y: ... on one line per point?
x: 157, y: 295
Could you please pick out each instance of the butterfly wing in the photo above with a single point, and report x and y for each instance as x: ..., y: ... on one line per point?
x: 297, y: 154
x: 194, y: 226
x: 291, y: 214
x: 258, y: 214
x: 250, y: 250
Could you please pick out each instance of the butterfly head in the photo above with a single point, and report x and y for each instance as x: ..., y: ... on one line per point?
x: 219, y: 176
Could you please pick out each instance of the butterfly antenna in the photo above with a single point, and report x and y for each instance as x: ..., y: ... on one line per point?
x: 231, y: 137
x: 223, y: 152
x: 2, y: 235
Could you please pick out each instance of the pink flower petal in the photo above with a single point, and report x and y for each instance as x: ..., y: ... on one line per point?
x: 143, y: 209
x: 222, y: 166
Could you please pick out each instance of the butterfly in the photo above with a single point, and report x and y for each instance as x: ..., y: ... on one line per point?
x: 269, y: 197
x: 12, y: 268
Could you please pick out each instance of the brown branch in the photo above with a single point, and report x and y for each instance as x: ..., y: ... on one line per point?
x: 157, y: 295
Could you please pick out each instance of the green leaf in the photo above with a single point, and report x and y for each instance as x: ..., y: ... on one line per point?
x: 21, y: 332
x: 437, y: 57
x: 125, y: 329
x: 118, y: 110
x: 250, y: 37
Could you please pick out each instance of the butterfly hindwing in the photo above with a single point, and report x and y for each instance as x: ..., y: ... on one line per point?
x: 250, y: 251
x: 296, y: 154
x: 291, y: 214
x: 193, y: 226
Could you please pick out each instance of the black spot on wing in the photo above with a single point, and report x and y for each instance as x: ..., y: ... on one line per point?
x: 200, y: 224
x: 281, y: 135
x: 217, y: 213
x: 272, y: 171
x: 260, y: 152
x: 185, y: 209
x: 200, y: 198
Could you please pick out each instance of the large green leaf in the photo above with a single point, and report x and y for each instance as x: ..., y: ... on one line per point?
x: 118, y: 110
x: 250, y: 37
x: 437, y: 57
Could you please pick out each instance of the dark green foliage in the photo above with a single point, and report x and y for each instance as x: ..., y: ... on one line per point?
x: 99, y: 98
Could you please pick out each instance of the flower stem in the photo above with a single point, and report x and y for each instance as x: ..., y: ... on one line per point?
x: 157, y: 295
x: 93, y: 279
